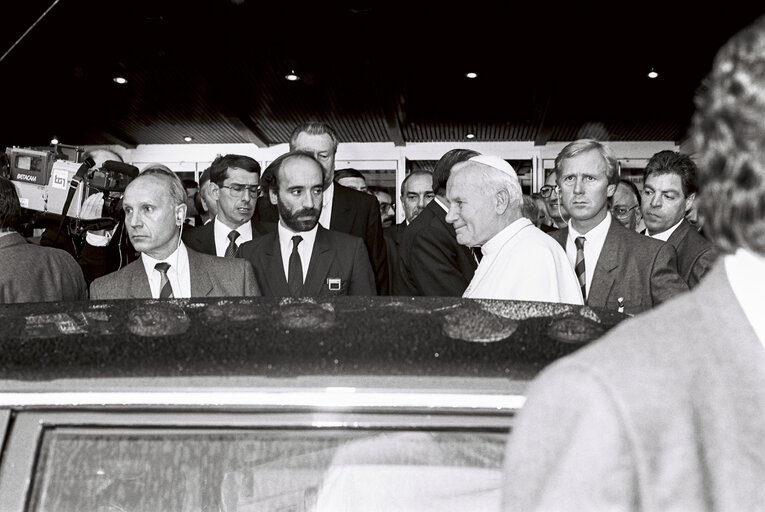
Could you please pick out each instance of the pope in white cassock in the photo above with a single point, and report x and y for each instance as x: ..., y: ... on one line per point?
x: 519, y: 261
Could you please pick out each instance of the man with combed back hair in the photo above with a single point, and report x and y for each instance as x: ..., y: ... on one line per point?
x: 155, y: 208
x: 29, y: 272
x: 666, y: 411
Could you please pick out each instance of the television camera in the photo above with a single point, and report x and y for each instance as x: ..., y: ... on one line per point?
x: 56, y: 183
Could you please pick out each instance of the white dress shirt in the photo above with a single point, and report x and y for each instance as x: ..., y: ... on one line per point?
x: 664, y: 235
x: 178, y: 274
x: 746, y: 273
x: 326, y: 206
x: 523, y: 263
x: 593, y: 245
x: 221, y: 232
x: 305, y: 249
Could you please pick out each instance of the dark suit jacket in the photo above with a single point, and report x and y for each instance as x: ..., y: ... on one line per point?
x: 431, y: 261
x: 202, y: 238
x: 695, y: 254
x: 662, y: 413
x: 354, y: 213
x: 211, y: 276
x: 639, y: 269
x: 335, y: 255
x: 32, y: 273
x: 393, y: 236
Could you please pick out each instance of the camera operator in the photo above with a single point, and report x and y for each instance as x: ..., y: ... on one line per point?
x: 30, y: 273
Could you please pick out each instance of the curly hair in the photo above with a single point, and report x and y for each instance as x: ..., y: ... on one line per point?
x: 728, y: 130
x: 10, y: 208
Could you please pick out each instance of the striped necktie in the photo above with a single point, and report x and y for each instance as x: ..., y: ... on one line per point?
x: 232, y: 247
x: 165, y: 288
x: 579, y: 267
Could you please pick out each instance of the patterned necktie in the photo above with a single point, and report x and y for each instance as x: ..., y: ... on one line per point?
x: 231, y: 249
x: 295, y: 269
x: 579, y: 267
x: 165, y: 289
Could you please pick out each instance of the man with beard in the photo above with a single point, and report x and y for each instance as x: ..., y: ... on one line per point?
x: 234, y: 188
x: 303, y: 259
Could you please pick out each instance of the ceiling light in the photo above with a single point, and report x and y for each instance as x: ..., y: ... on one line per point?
x: 471, y: 75
x: 470, y: 136
x: 188, y: 138
x: 652, y: 74
x: 291, y: 76
x: 120, y: 80
x: 54, y: 140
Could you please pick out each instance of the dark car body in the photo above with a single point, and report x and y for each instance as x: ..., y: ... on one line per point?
x: 267, y: 404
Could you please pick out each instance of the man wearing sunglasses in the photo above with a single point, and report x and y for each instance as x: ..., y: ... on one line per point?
x: 234, y: 186
x: 555, y: 209
x: 625, y: 206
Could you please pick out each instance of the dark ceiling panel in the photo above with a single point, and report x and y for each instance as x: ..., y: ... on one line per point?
x: 378, y: 71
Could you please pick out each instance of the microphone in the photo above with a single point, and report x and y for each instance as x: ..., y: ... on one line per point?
x: 121, y: 167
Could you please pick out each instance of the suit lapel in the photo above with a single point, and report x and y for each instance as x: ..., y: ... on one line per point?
x: 342, y: 215
x: 201, y: 284
x: 679, y: 233
x: 610, y: 255
x: 318, y: 268
x: 272, y: 262
x: 139, y: 282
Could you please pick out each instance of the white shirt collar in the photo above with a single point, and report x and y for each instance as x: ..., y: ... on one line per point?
x: 178, y: 274
x: 596, y: 234
x: 441, y: 204
x: 305, y: 249
x: 746, y: 271
x: 221, y: 231
x: 594, y: 241
x: 325, y: 218
x: 664, y: 235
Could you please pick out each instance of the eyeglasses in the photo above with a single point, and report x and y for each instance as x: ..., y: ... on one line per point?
x: 547, y: 191
x: 237, y: 189
x: 621, y: 211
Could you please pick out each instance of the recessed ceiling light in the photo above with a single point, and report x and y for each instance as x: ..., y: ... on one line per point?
x: 291, y: 76
x: 652, y: 73
x: 120, y: 80
x: 470, y: 136
x: 471, y: 75
x: 54, y: 140
x: 188, y: 138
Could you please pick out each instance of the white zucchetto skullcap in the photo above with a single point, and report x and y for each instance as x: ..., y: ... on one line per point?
x: 495, y: 162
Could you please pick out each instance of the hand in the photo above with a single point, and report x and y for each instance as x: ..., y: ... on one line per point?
x: 92, y: 207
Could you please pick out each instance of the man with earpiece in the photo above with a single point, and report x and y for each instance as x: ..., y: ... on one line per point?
x: 155, y: 210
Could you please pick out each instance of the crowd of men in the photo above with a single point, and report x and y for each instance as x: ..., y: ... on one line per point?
x: 307, y: 229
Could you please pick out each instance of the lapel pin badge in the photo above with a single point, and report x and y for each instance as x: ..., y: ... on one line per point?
x: 620, y: 301
x: 334, y: 283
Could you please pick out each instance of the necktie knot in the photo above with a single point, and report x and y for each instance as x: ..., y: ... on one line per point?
x: 580, y: 242
x: 232, y: 247
x: 162, y: 267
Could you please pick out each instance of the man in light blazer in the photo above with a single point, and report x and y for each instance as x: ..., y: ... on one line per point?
x: 618, y: 268
x: 155, y: 208
x: 302, y: 259
x: 666, y: 411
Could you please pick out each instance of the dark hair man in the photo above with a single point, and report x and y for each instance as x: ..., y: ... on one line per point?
x: 204, y: 201
x: 345, y: 210
x: 665, y: 412
x: 387, y: 207
x: 617, y: 268
x: 669, y: 191
x: 29, y: 272
x: 303, y: 259
x: 625, y: 204
x: 431, y: 261
x: 155, y: 208
x: 234, y: 186
x: 555, y: 210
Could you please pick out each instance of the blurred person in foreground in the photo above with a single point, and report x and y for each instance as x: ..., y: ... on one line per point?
x: 665, y: 412
x: 519, y: 261
x: 31, y: 272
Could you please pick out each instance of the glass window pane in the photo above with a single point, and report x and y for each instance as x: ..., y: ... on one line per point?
x: 266, y: 469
